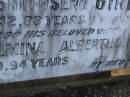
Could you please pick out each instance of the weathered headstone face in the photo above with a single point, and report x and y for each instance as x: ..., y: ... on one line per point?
x: 52, y: 38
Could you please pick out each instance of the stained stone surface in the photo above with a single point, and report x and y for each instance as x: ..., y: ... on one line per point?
x: 118, y: 89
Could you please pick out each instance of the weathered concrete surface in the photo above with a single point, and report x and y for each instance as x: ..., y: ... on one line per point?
x: 112, y: 88
x: 39, y: 86
x: 119, y: 89
x: 80, y: 86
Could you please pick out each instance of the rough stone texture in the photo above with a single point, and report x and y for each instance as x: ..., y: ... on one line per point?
x: 112, y: 89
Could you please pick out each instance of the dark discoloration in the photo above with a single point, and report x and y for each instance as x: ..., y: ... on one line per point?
x: 112, y: 89
x: 128, y: 7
